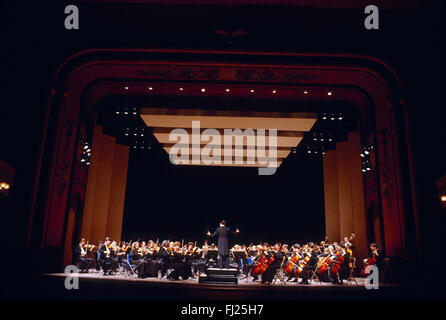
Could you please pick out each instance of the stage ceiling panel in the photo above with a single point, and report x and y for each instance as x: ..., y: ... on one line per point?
x: 290, y: 128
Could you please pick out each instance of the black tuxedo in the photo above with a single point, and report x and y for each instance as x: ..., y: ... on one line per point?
x: 223, y: 234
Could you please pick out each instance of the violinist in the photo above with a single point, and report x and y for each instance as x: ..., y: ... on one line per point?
x: 375, y: 257
x: 80, y: 256
x: 164, y: 257
x: 135, y: 254
x: 105, y: 251
x: 177, y: 263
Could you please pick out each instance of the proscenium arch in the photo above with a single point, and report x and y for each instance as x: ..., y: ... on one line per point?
x: 87, y: 77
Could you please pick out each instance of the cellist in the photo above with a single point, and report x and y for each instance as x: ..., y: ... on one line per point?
x: 311, y: 264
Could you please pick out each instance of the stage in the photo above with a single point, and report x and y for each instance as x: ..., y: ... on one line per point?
x: 96, y: 286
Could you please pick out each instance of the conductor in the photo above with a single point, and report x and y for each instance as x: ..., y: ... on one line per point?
x: 223, y: 233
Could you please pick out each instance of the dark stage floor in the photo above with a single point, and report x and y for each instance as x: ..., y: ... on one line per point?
x: 96, y: 286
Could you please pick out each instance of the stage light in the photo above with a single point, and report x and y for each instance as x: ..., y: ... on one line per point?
x: 4, y: 186
x: 117, y: 112
x: 82, y: 160
x: 227, y: 90
x: 126, y: 87
x: 150, y: 88
x: 181, y: 89
x: 329, y: 93
x: 363, y: 170
x: 443, y: 198
x: 305, y: 92
x: 252, y: 90
x: 274, y: 91
x: 203, y: 90
x: 366, y: 152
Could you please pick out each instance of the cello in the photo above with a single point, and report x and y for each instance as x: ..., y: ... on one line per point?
x: 337, y: 263
x: 303, y: 263
x: 262, y: 264
x: 292, y: 263
x: 325, y: 264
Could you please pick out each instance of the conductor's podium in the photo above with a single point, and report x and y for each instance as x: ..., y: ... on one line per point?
x: 219, y: 276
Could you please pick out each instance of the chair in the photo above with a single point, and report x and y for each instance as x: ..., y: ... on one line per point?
x: 385, y: 268
x: 314, y: 275
x: 279, y: 273
x: 351, y: 277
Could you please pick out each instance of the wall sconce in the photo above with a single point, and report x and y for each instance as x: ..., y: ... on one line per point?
x: 4, y: 186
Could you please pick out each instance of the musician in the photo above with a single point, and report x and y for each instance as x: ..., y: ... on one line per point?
x: 106, y: 255
x: 344, y: 270
x: 80, y: 256
x: 279, y: 255
x: 375, y: 256
x: 223, y: 233
x: 180, y: 269
x: 164, y: 257
x: 311, y: 264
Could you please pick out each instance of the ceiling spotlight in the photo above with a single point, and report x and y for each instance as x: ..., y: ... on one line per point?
x: 366, y: 152
x: 86, y: 146
x: 181, y: 89
x: 305, y: 92
x: 203, y: 90
x: 142, y: 134
x: 329, y: 93
x: 362, y: 155
x: 274, y: 91
x: 309, y: 151
x: 330, y: 139
x: 252, y: 90
x: 368, y: 169
x: 125, y: 112
x: 150, y: 88
x: 227, y: 90
x: 82, y: 160
x: 126, y: 134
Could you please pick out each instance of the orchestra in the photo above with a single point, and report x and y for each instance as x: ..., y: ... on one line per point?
x: 177, y: 260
